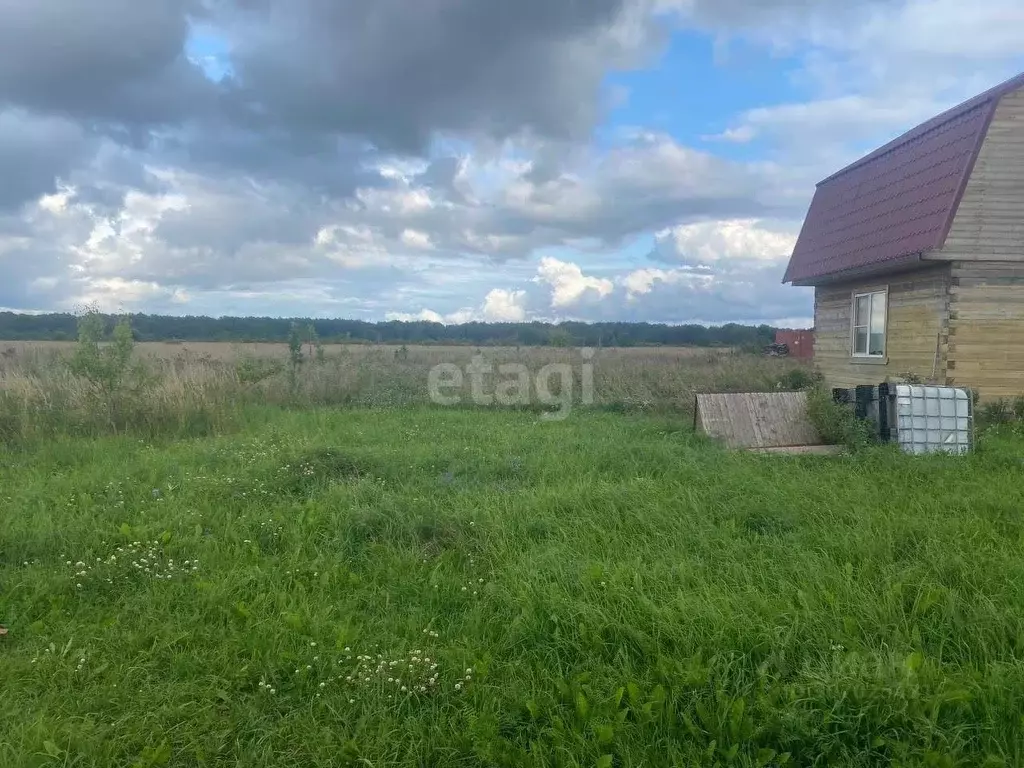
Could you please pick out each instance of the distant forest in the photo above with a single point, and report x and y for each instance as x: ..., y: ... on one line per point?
x: 62, y: 327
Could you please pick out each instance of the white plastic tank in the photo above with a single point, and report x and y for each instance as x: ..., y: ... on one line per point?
x: 932, y: 419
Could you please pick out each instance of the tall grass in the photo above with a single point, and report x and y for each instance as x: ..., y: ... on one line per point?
x: 393, y: 584
x: 607, y: 590
x: 187, y: 393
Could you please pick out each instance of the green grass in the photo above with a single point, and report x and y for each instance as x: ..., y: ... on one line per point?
x: 624, y: 594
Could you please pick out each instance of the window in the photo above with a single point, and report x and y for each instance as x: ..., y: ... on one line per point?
x: 869, y: 324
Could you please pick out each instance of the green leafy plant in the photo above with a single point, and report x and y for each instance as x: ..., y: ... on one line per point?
x: 799, y: 378
x: 316, y: 348
x: 910, y: 378
x: 108, y: 365
x: 253, y: 370
x: 996, y: 412
x: 1018, y: 408
x: 295, y: 356
x: 836, y: 423
x: 105, y: 367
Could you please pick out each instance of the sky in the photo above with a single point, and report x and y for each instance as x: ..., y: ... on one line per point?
x: 453, y: 160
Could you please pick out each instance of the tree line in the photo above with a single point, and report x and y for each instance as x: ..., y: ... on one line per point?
x: 15, y: 326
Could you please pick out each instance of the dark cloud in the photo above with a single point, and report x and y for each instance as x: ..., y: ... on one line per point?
x: 314, y: 87
x: 112, y: 60
x: 33, y: 261
x: 224, y: 219
x: 444, y: 175
x: 322, y: 164
x: 113, y: 172
x: 34, y: 152
x: 396, y: 72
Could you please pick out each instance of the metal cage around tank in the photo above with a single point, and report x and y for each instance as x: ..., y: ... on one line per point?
x: 919, y: 418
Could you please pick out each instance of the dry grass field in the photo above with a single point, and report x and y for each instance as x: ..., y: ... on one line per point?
x: 219, y: 350
x: 186, y: 386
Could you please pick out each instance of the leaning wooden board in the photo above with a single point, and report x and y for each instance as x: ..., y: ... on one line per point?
x: 756, y: 420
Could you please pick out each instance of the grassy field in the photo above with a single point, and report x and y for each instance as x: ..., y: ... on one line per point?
x: 229, y: 351
x: 198, y: 388
x: 432, y: 587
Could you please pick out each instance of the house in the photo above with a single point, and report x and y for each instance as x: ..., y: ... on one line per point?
x: 916, y: 254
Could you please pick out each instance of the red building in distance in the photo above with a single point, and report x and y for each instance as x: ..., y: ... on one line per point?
x: 800, y: 342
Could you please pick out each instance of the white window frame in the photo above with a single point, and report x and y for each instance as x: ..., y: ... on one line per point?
x: 877, y: 294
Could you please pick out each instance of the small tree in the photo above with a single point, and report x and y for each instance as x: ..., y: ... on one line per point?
x: 295, y: 356
x: 314, y: 344
x: 108, y: 369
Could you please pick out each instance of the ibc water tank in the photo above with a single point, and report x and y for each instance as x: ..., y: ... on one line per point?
x: 930, y: 419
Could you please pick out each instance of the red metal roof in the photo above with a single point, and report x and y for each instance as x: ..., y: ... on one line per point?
x: 898, y: 201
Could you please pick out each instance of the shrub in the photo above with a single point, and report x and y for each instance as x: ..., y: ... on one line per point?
x: 799, y: 378
x: 316, y: 348
x: 996, y: 412
x: 1018, y: 408
x: 295, y: 356
x: 106, y: 368
x: 910, y: 378
x: 252, y: 370
x: 836, y: 423
x: 113, y: 377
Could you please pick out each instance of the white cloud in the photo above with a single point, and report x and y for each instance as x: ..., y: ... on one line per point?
x: 951, y: 29
x: 741, y: 135
x: 118, y: 242
x: 400, y: 202
x: 413, y: 238
x: 841, y: 119
x: 879, y: 69
x: 57, y: 203
x: 234, y: 238
x: 505, y: 306
x: 568, y: 283
x: 426, y: 315
x: 499, y: 305
x: 222, y: 245
x: 643, y: 281
x: 714, y: 243
x: 114, y: 294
